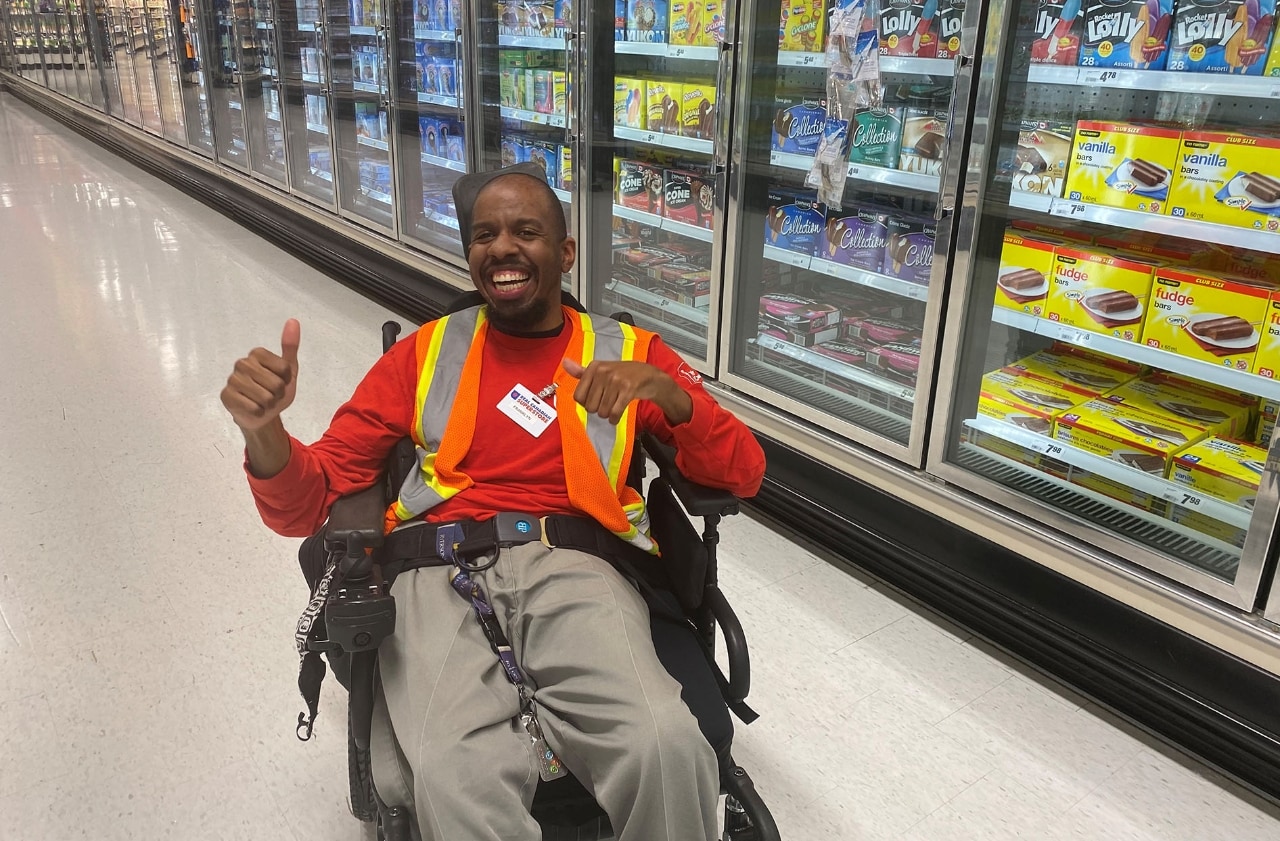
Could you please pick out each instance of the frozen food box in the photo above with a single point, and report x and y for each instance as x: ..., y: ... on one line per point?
x: 647, y: 20
x: 1223, y: 469
x: 794, y: 221
x: 1161, y: 397
x: 1039, y: 162
x: 1231, y: 179
x: 689, y: 197
x: 855, y: 237
x: 685, y: 23
x: 797, y: 312
x: 1273, y: 58
x: 662, y: 106
x: 1246, y: 265
x: 1033, y: 402
x: 877, y: 136
x: 713, y: 21
x: 908, y: 251
x: 798, y: 122
x: 847, y: 352
x: 910, y: 27
x: 900, y: 362
x: 1168, y: 250
x: 1221, y: 36
x: 1126, y: 33
x: 949, y: 22
x: 559, y: 92
x: 1058, y: 27
x: 796, y: 337
x: 1125, y: 435
x: 1026, y: 264
x: 1099, y: 291
x: 628, y: 103
x: 1119, y: 491
x: 1194, y: 520
x: 881, y: 331
x: 802, y: 25
x: 924, y: 139
x: 619, y: 20
x: 1268, y: 410
x: 640, y: 186
x: 1076, y: 235
x: 1267, y: 362
x: 1093, y: 376
x: 564, y: 17
x: 1124, y: 165
x: 698, y: 110
x: 1206, y: 317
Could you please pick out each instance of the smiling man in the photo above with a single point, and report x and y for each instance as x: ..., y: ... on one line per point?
x: 521, y: 405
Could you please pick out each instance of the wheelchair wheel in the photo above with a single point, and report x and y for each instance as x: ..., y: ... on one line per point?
x: 363, y: 802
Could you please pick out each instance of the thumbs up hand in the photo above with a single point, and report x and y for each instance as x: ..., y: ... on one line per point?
x: 263, y: 384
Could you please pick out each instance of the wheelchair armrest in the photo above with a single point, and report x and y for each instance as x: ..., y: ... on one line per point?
x: 735, y: 644
x: 357, y: 517
x: 698, y: 500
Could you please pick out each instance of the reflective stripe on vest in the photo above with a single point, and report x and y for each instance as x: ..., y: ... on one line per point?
x: 596, y: 452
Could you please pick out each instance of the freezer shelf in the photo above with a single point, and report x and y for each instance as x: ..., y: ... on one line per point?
x: 532, y: 42
x: 682, y: 228
x: 906, y: 65
x: 1137, y: 352
x: 666, y: 50
x: 817, y: 361
x: 537, y: 117
x: 1253, y: 87
x: 657, y: 138
x: 863, y: 172
x: 422, y: 33
x: 456, y: 166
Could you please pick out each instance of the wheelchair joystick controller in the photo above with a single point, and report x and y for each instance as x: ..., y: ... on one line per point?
x: 359, y: 613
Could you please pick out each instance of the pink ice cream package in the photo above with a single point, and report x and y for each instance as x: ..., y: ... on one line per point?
x: 793, y: 312
x: 880, y: 331
x: 900, y: 361
x: 846, y: 352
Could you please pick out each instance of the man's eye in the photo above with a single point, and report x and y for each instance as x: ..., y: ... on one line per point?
x: 528, y: 232
x: 482, y: 236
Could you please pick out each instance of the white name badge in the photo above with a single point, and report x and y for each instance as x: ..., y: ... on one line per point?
x: 531, y: 412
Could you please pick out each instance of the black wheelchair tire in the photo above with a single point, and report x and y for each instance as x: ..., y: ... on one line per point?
x: 363, y: 802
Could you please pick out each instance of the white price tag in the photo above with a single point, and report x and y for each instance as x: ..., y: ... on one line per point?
x: 1275, y: 93
x: 651, y: 137
x: 1185, y: 498
x: 855, y: 171
x: 907, y: 394
x: 775, y: 159
x: 1069, y: 209
x: 1099, y: 77
x: 677, y: 52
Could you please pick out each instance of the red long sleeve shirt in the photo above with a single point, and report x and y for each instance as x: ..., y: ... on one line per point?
x: 512, y: 470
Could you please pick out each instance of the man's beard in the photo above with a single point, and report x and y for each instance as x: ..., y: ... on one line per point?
x: 519, y: 318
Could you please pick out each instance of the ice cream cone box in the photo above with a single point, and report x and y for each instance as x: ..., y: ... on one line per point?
x: 1156, y: 396
x: 1221, y: 36
x: 1231, y: 179
x: 1026, y: 264
x: 1099, y: 291
x: 908, y: 251
x: 1039, y: 163
x: 1273, y: 57
x: 647, y: 21
x: 629, y: 103
x: 910, y: 27
x: 1126, y: 33
x: 662, y: 106
x: 877, y: 136
x: 924, y: 139
x: 1123, y: 165
x: 855, y: 237
x: 1058, y: 26
x: 1267, y: 362
x: 1206, y: 317
x: 1094, y: 377
x: 713, y: 22
x: 798, y: 122
x: 802, y: 26
x: 794, y: 221
x: 1125, y: 435
x: 640, y: 186
x: 698, y: 110
x: 685, y: 23
x: 1221, y: 468
x: 688, y: 197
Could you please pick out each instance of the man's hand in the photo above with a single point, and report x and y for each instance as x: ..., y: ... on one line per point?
x: 261, y: 386
x: 606, y: 388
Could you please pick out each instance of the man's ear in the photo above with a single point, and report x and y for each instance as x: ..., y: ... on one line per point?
x: 568, y: 254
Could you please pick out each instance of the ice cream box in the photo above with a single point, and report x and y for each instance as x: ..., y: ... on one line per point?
x: 1155, y: 396
x: 900, y: 362
x: 447, y: 76
x: 877, y: 136
x: 850, y: 353
x: 1075, y: 372
x: 698, y: 109
x: 1194, y: 520
x: 908, y: 250
x: 1118, y: 491
x: 455, y: 147
x: 1122, y: 165
x: 543, y: 91
x: 949, y: 22
x: 1099, y: 291
x: 619, y: 20
x: 662, y: 106
x: 1221, y: 468
x: 1221, y: 36
x: 1232, y: 179
x: 1268, y: 410
x: 640, y: 186
x: 909, y: 27
x: 544, y: 154
x: 796, y: 337
x: 692, y: 287
x: 564, y: 167
x: 880, y: 331
x: 1206, y: 317
x: 713, y: 21
x: 1035, y: 399
x: 1076, y: 235
x: 855, y: 237
x: 1039, y: 163
x: 689, y: 197
x: 431, y: 139
x: 1026, y: 264
x: 1126, y: 33
x: 534, y: 18
x: 628, y: 103
x: 1165, y: 249
x: 564, y: 17
x: 794, y: 221
x: 1273, y: 58
x: 1246, y: 265
x: 924, y: 139
x: 1267, y: 362
x: 798, y: 313
x: 1122, y: 434
x: 802, y: 25
x: 647, y: 20
x: 685, y: 23
x: 1058, y: 26
x: 1037, y: 422
x: 798, y: 123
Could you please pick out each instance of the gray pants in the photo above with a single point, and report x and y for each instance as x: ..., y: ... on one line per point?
x: 446, y: 739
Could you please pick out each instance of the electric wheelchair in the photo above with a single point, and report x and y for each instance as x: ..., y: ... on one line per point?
x: 685, y: 602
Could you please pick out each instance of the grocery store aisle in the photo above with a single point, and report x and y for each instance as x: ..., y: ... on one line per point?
x: 146, y: 663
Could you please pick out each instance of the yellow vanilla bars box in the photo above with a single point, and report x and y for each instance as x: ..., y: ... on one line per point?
x: 1122, y: 165
x: 1157, y: 396
x: 1231, y: 179
x: 1026, y: 264
x: 1207, y: 317
x: 1221, y: 468
x: 1100, y: 292
x: 1124, y: 434
x: 1119, y: 490
x: 1092, y: 375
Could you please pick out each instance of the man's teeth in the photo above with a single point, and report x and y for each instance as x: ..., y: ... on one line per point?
x: 509, y: 278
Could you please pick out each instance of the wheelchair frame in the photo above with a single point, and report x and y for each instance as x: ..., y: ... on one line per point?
x: 355, y: 524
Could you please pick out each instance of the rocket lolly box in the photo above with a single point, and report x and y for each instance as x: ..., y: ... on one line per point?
x: 1222, y: 36
x: 1126, y: 33
x: 1273, y: 59
x: 1057, y: 28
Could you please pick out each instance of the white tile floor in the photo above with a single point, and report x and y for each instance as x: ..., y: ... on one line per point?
x: 146, y: 666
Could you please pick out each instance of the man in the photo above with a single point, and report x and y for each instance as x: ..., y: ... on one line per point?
x: 518, y: 406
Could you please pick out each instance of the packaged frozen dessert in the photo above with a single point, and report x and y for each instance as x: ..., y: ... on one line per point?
x: 1124, y: 165
x: 1026, y: 264
x: 1222, y: 468
x: 1039, y: 162
x: 1231, y: 179
x: 1099, y: 291
x: 798, y: 122
x: 1158, y: 396
x: 1127, y: 33
x: 1222, y: 36
x: 1058, y: 26
x: 855, y: 237
x: 1093, y: 375
x: 794, y: 221
x: 877, y: 136
x: 802, y: 26
x: 1205, y: 316
x: 908, y: 251
x: 1124, y: 434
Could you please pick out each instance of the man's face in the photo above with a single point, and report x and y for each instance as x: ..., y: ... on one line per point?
x: 517, y: 253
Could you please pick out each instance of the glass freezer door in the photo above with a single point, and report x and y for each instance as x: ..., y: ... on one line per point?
x: 232, y: 29
x: 86, y: 79
x: 142, y: 44
x: 1115, y: 342
x: 121, y: 43
x: 164, y: 53
x: 57, y: 52
x: 305, y: 68
x: 263, y: 115
x: 195, y: 88
x: 361, y: 110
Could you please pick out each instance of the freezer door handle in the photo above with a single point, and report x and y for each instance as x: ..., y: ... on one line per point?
x: 720, y: 130
x: 948, y: 182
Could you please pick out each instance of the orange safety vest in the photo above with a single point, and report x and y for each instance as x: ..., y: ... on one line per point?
x: 597, y: 453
